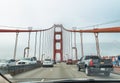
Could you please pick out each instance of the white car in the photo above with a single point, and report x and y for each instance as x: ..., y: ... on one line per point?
x: 11, y: 62
x: 26, y: 61
x: 48, y: 63
x: 6, y: 63
x: 3, y: 63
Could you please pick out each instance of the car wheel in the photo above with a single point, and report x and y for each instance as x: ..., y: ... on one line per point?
x: 52, y: 66
x: 87, y: 71
x: 78, y: 68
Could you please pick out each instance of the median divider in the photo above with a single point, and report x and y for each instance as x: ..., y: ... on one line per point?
x: 13, y: 70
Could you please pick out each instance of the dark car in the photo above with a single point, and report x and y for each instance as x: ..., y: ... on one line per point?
x: 94, y: 64
x: 69, y: 61
x: 54, y: 62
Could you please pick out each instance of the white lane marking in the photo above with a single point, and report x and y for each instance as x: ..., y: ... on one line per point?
x: 42, y: 80
x: 73, y: 69
x: 50, y: 69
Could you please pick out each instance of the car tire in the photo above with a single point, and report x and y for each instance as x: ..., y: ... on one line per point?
x: 87, y: 71
x: 78, y: 68
x: 107, y: 73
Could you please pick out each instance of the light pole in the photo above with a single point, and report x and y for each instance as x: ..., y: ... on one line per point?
x: 15, y: 49
x: 25, y: 51
x: 42, y: 57
x: 75, y: 51
x: 67, y: 56
x: 29, y: 28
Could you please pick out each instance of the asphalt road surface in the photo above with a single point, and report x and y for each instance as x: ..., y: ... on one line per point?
x: 59, y: 71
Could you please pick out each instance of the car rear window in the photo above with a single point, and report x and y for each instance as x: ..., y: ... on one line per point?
x: 47, y: 59
x: 91, y: 57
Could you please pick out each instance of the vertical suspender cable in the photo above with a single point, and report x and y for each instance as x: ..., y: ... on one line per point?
x: 51, y: 43
x: 75, y: 43
x: 15, y: 49
x: 71, y: 46
x: 43, y: 43
x: 97, y: 44
x: 46, y: 50
x: 48, y: 39
x: 81, y: 37
x: 67, y: 39
x: 28, y: 44
x: 35, y: 44
x: 39, y: 45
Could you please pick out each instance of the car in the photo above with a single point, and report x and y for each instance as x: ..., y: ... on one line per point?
x: 47, y: 63
x: 26, y: 61
x: 69, y: 61
x: 11, y: 62
x: 93, y: 64
x: 3, y: 63
x: 6, y: 63
x: 78, y: 63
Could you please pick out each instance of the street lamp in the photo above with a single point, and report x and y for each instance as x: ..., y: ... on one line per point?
x: 75, y: 51
x: 67, y: 56
x: 25, y: 51
x: 29, y: 28
x: 42, y: 57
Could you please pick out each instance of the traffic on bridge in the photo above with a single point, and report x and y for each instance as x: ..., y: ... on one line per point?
x: 59, y: 41
x: 57, y: 56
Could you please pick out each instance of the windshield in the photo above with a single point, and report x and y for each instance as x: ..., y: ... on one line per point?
x: 26, y: 59
x: 91, y: 57
x: 46, y: 40
x: 47, y: 59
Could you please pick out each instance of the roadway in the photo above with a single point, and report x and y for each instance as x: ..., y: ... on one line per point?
x: 59, y: 71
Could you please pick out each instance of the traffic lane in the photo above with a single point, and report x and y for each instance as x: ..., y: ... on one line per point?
x: 61, y: 71
x: 38, y: 74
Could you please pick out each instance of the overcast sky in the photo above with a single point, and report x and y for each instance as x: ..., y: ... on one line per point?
x: 70, y: 13
x: 41, y: 14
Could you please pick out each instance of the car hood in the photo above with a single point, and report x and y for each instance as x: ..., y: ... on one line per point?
x: 41, y: 80
x: 3, y: 63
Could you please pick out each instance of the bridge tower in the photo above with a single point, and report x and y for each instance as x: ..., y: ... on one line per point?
x: 58, y: 42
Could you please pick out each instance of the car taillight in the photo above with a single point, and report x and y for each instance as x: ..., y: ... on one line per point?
x: 91, y: 63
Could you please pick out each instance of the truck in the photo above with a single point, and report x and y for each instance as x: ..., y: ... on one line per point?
x: 94, y: 64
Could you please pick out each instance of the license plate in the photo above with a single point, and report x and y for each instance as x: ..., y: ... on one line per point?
x: 102, y: 69
x: 101, y: 62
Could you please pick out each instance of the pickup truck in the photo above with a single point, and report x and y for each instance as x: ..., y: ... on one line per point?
x: 94, y: 64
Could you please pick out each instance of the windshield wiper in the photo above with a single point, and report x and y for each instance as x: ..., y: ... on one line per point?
x: 5, y: 78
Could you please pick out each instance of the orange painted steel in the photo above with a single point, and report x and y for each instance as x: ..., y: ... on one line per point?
x: 61, y: 44
x: 98, y: 30
x: 16, y: 30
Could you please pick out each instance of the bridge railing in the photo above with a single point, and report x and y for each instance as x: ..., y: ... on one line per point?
x: 13, y: 70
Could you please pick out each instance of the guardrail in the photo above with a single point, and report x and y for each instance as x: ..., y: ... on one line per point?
x: 13, y: 70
